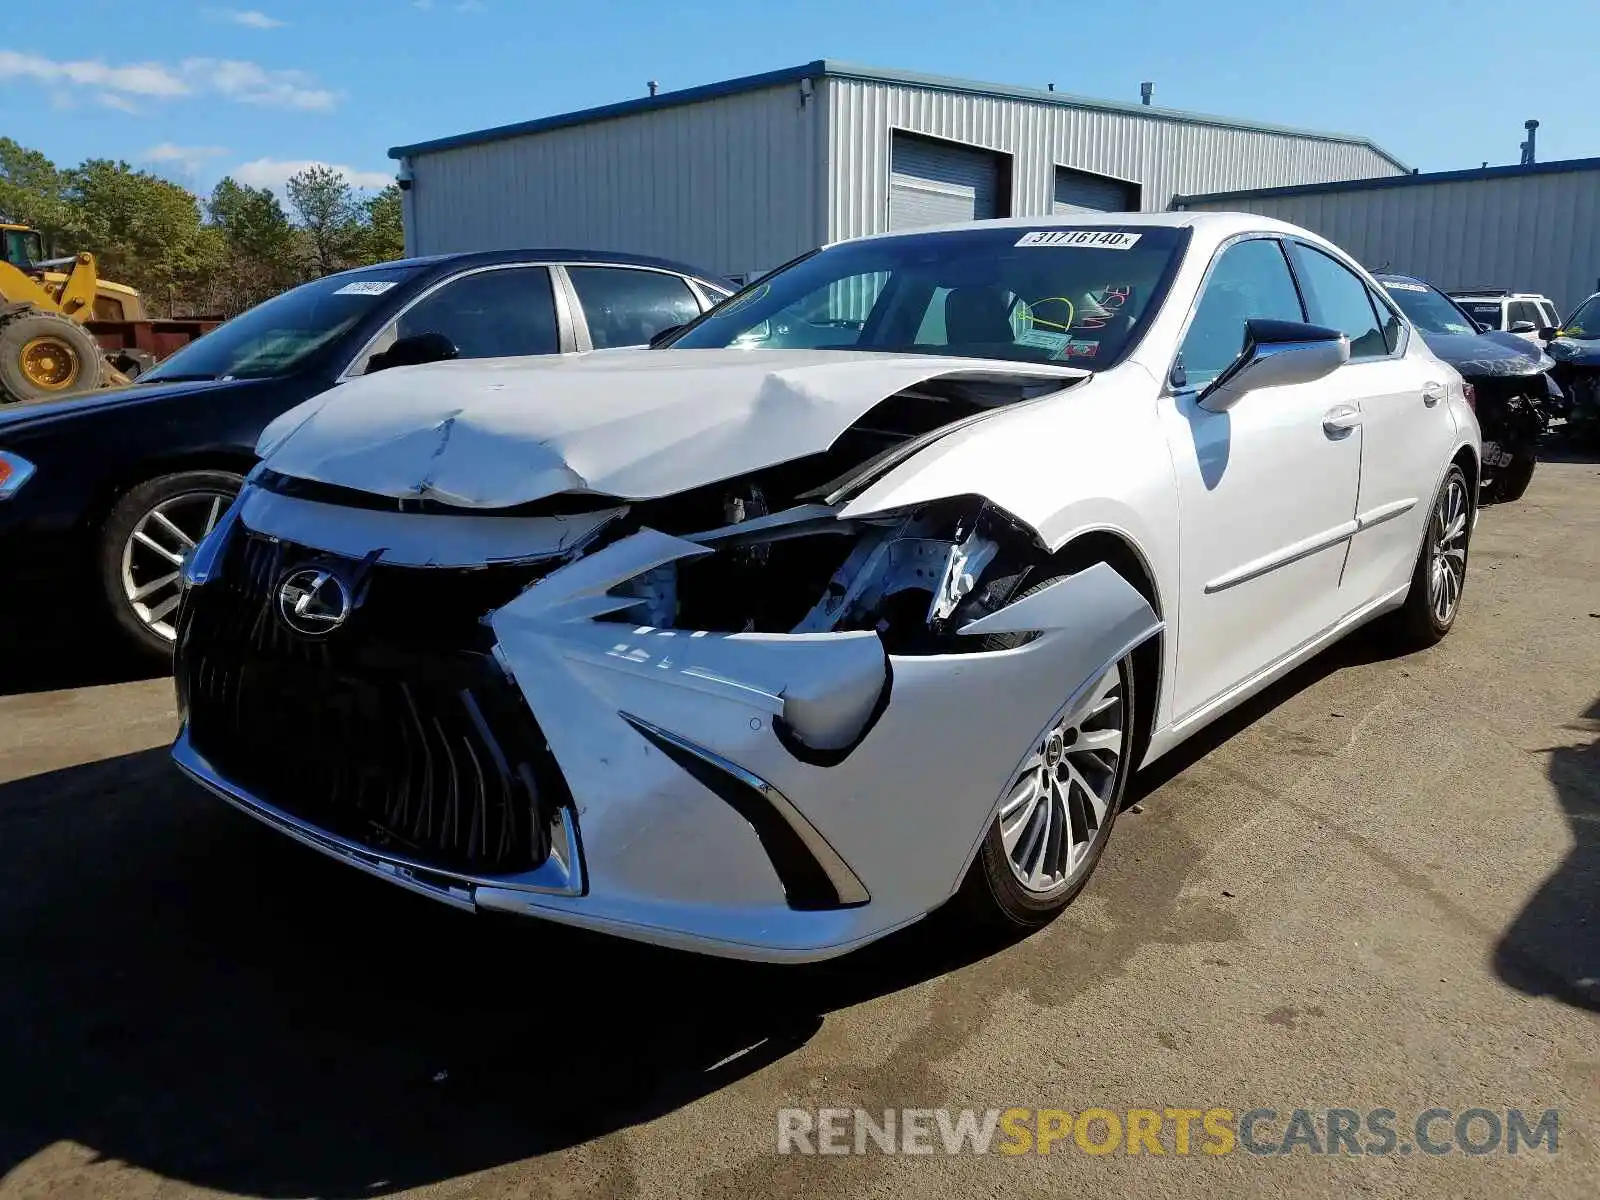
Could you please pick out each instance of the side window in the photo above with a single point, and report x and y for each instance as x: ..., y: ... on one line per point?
x: 1551, y: 317
x: 1388, y: 319
x: 628, y: 307
x: 1250, y: 280
x: 1338, y: 299
x: 489, y: 314
x: 1526, y: 310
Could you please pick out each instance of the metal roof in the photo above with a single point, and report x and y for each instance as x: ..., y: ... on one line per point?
x: 833, y: 68
x: 1415, y: 179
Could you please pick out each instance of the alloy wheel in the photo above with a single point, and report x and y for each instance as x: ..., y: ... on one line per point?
x: 153, y: 555
x: 1058, y: 807
x: 1447, y: 570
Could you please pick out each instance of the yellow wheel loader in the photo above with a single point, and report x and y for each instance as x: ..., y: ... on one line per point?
x: 64, y: 330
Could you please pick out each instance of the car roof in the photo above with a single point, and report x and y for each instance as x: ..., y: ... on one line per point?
x: 1218, y: 225
x: 484, y: 258
x: 1495, y: 294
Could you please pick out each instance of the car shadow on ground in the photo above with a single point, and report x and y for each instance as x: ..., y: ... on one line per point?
x: 209, y: 1002
x: 1553, y: 947
x: 1558, y: 447
x: 191, y: 994
x: 47, y: 648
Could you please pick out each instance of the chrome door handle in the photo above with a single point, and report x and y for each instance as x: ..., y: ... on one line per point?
x: 1432, y: 393
x: 1339, y: 420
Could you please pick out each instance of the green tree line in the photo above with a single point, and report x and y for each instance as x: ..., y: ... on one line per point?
x: 191, y: 255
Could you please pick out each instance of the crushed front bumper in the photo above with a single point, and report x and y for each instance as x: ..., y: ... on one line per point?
x: 774, y: 797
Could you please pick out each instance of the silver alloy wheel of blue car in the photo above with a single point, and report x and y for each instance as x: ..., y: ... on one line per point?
x: 153, y: 555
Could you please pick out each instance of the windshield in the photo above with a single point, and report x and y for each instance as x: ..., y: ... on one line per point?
x: 1057, y: 294
x: 23, y: 248
x: 1429, y: 310
x: 278, y: 336
x: 1585, y: 323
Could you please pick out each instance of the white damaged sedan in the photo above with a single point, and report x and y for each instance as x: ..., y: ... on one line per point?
x: 868, y: 591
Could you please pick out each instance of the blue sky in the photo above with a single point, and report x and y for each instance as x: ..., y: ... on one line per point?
x: 197, y: 90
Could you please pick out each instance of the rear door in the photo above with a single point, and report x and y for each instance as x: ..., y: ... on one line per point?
x: 1406, y: 429
x: 627, y: 306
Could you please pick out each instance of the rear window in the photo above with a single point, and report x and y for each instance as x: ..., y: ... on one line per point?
x: 1487, y: 311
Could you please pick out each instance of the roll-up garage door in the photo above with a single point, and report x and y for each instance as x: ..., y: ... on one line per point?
x: 936, y: 183
x: 1078, y: 191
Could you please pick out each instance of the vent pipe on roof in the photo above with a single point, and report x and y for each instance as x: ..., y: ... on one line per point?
x: 1050, y: 87
x: 652, y: 86
x: 1528, y: 146
x: 1146, y: 91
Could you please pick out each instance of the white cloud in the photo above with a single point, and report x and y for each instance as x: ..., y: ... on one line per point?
x: 138, y: 79
x: 190, y: 158
x: 251, y: 83
x: 250, y: 18
x: 232, y: 79
x: 274, y: 173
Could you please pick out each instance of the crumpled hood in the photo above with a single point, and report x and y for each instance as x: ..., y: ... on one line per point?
x: 1494, y: 354
x: 500, y: 432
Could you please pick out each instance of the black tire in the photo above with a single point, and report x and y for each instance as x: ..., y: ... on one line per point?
x: 85, y: 363
x: 991, y: 894
x: 126, y: 516
x: 1510, y: 482
x: 1417, y: 626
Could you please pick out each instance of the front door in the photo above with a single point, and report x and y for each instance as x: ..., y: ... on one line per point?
x: 1267, y: 491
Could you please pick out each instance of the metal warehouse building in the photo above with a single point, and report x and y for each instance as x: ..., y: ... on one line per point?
x: 1532, y: 228
x: 740, y: 176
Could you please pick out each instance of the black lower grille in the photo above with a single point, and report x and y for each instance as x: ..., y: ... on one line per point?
x: 397, y: 730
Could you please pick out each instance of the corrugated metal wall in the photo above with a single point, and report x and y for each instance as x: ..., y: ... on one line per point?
x: 1167, y: 157
x: 729, y: 185
x: 1532, y: 233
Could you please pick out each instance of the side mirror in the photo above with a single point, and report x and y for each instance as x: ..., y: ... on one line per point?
x: 1548, y: 333
x: 1277, y: 353
x: 414, y: 350
x: 1523, y: 327
x: 665, y: 334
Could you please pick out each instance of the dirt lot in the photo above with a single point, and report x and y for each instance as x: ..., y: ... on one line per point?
x: 1376, y: 888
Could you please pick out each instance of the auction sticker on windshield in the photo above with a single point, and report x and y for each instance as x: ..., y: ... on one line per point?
x: 1089, y: 239
x: 370, y: 287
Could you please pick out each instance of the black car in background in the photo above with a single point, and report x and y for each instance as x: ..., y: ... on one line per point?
x: 1575, y: 348
x: 1512, y: 390
x: 102, y: 495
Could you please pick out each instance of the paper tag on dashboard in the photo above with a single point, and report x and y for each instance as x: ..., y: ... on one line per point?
x: 1087, y: 239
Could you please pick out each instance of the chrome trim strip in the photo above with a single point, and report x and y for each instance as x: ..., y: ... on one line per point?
x: 561, y: 874
x: 1384, y: 512
x: 845, y: 881
x: 1292, y: 553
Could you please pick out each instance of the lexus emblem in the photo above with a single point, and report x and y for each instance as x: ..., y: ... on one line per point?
x: 313, y: 602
